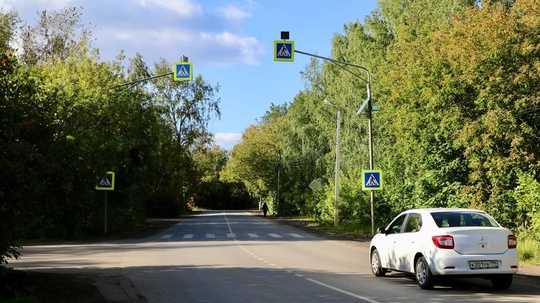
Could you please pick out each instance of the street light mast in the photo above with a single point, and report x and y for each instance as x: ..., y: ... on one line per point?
x: 367, y: 103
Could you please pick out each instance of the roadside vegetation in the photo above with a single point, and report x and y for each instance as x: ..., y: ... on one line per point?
x: 66, y: 118
x: 458, y: 125
x: 529, y: 251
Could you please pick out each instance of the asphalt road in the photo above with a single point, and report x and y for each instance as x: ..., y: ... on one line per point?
x: 233, y: 256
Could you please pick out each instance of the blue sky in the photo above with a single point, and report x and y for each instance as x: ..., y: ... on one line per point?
x: 228, y: 42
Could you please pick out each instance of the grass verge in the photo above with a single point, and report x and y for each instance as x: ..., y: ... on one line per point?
x: 529, y: 251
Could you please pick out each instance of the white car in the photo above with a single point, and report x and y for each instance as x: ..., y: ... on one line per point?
x: 437, y: 242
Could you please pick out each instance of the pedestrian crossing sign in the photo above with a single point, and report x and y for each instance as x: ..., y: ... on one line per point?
x: 372, y: 180
x: 106, y: 182
x: 183, y: 71
x: 284, y: 50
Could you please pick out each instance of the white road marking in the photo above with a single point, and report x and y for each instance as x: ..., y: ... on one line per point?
x: 342, y: 291
x: 210, y: 236
x: 253, y: 235
x: 231, y: 235
x: 296, y: 235
x: 188, y: 236
x: 166, y: 236
x: 275, y: 235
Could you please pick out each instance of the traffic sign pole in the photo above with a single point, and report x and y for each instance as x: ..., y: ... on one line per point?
x: 105, y: 183
x: 105, y: 217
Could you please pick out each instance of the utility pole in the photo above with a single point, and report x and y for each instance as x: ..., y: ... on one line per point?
x: 278, y: 178
x: 338, y: 148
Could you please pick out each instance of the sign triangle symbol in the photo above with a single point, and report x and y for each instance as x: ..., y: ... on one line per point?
x: 284, y: 51
x: 182, y: 72
x: 105, y: 182
x: 372, y: 181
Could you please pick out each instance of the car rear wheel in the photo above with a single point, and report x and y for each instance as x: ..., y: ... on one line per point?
x: 502, y: 281
x: 424, y: 277
x: 376, y: 266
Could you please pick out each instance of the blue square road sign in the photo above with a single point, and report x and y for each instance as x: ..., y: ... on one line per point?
x: 372, y: 180
x: 284, y: 50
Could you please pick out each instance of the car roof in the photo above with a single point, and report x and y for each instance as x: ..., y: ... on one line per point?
x: 441, y: 209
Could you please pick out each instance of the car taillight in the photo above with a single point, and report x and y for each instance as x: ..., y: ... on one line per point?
x: 443, y: 241
x: 512, y: 241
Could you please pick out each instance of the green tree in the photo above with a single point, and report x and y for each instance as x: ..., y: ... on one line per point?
x: 212, y: 191
x: 26, y: 127
x: 186, y: 107
x: 8, y: 23
x: 499, y: 64
x: 55, y: 36
x: 527, y: 195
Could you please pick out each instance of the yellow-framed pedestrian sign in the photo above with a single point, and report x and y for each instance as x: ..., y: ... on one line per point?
x: 106, y: 182
x: 372, y: 180
x: 183, y: 71
x: 284, y: 50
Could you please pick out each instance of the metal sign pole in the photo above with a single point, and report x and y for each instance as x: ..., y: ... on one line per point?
x: 105, y: 217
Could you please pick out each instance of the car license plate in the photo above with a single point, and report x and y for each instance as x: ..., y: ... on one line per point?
x: 483, y: 264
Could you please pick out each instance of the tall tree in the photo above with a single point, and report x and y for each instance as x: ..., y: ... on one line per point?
x: 55, y: 36
x: 188, y: 106
x: 26, y: 127
x: 8, y: 22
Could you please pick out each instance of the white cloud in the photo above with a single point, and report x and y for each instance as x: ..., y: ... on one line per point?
x: 154, y: 36
x: 185, y: 8
x: 162, y: 29
x: 246, y: 50
x: 232, y: 12
x: 7, y: 5
x: 227, y: 140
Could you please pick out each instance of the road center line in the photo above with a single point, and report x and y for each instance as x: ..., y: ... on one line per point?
x: 297, y: 274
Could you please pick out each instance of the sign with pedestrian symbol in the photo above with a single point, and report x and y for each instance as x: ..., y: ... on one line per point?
x: 106, y: 182
x: 183, y: 71
x: 371, y: 180
x: 284, y: 50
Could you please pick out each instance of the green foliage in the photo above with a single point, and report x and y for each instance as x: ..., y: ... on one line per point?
x: 186, y: 106
x: 455, y: 82
x: 354, y: 203
x: 527, y: 195
x: 66, y: 118
x: 26, y: 126
x: 529, y: 251
x: 56, y: 36
x: 254, y: 161
x: 8, y: 22
x: 212, y: 192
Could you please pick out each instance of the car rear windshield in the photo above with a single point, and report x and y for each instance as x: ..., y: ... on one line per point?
x: 455, y: 219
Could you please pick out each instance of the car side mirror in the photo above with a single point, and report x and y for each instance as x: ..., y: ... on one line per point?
x: 381, y: 230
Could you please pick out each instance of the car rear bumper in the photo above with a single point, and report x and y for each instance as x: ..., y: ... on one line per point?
x: 455, y: 264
